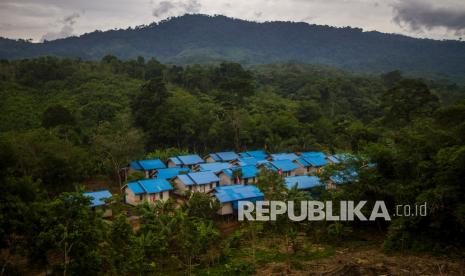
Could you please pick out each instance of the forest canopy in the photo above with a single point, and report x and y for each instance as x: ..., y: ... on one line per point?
x: 64, y: 122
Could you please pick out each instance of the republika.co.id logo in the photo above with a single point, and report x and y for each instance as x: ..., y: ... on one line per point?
x: 318, y: 210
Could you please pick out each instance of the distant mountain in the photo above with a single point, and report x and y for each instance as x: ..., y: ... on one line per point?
x: 204, y: 39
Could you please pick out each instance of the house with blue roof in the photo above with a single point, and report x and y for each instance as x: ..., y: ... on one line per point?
x: 332, y: 159
x: 347, y: 176
x: 303, y: 182
x: 215, y: 167
x: 185, y: 161
x: 311, y: 163
x: 283, y: 156
x: 224, y: 156
x: 202, y: 182
x: 239, y: 175
x: 170, y: 173
x: 313, y: 154
x: 258, y: 154
x: 230, y: 196
x: 247, y: 161
x: 304, y: 166
x: 284, y: 167
x: 149, y: 167
x: 98, y: 200
x: 150, y: 190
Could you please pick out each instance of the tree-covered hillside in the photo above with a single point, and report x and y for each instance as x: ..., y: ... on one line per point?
x: 66, y: 123
x: 204, y: 39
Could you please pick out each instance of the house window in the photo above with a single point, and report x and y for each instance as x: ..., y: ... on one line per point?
x: 190, y: 188
x: 161, y: 195
x: 141, y: 196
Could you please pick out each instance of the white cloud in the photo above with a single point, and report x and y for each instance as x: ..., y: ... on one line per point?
x: 45, y: 18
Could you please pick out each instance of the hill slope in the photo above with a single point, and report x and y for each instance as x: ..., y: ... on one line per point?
x: 200, y: 39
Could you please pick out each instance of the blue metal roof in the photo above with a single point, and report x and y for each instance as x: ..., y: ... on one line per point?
x: 224, y: 156
x: 136, y: 188
x: 345, y: 157
x: 191, y: 159
x: 259, y: 154
x: 303, y: 182
x: 237, y: 192
x: 313, y: 154
x: 346, y: 176
x: 169, y: 173
x: 214, y: 167
x: 247, y: 171
x: 333, y: 159
x: 150, y: 186
x: 244, y: 161
x: 155, y: 185
x: 98, y: 197
x: 147, y: 165
x: 303, y: 162
x: 316, y: 160
x: 284, y: 165
x: 186, y: 179
x: 198, y: 178
x: 284, y: 156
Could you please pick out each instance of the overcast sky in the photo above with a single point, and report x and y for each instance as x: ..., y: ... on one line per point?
x: 51, y: 19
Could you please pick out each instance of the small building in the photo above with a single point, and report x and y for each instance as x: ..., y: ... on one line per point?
x: 312, y: 154
x: 239, y: 175
x: 149, y: 167
x: 230, y: 196
x: 316, y: 161
x: 185, y: 161
x: 170, y: 173
x: 332, y: 159
x: 248, y: 161
x: 225, y: 156
x: 346, y: 176
x: 149, y: 190
x: 98, y: 201
x: 258, y: 154
x: 284, y: 167
x: 346, y: 157
x: 304, y: 166
x: 282, y: 156
x: 303, y: 182
x: 203, y: 182
x: 215, y: 167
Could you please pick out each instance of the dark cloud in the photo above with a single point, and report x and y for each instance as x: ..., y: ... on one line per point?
x: 421, y: 15
x: 71, y: 19
x: 66, y: 30
x: 170, y: 8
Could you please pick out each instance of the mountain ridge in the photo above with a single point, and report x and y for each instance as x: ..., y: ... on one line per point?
x: 195, y: 38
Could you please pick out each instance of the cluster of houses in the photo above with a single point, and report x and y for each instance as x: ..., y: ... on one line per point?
x: 228, y: 176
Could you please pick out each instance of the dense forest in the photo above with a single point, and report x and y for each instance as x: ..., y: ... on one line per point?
x: 65, y: 123
x: 193, y: 39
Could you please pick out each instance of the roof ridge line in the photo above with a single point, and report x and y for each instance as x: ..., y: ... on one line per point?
x: 188, y: 175
x: 142, y: 185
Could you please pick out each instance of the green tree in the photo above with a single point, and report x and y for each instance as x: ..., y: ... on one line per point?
x: 57, y: 115
x: 116, y: 144
x: 407, y: 99
x: 67, y: 228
